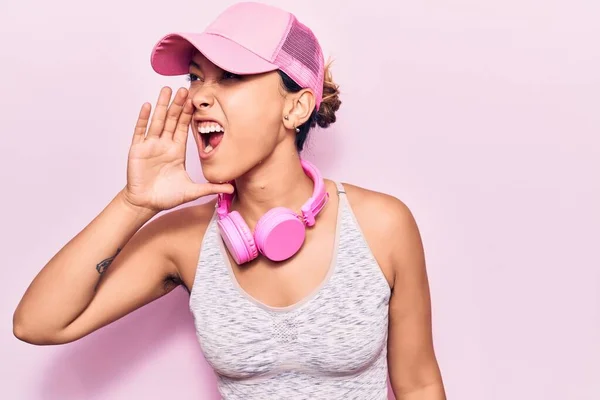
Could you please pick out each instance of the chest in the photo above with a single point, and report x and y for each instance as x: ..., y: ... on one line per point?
x: 338, y: 324
x: 324, y: 311
x: 287, y: 283
x: 341, y: 327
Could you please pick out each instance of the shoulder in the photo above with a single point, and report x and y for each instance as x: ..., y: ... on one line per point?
x: 388, y: 212
x: 376, y: 204
x: 389, y: 227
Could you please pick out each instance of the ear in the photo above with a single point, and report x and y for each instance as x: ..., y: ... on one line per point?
x: 298, y: 108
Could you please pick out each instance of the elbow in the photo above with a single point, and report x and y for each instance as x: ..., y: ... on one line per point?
x: 34, y: 335
x: 27, y: 335
x: 21, y: 332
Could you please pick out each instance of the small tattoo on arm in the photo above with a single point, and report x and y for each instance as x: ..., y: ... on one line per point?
x: 103, y: 266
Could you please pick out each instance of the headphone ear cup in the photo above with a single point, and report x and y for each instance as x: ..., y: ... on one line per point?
x: 238, y: 238
x: 279, y: 234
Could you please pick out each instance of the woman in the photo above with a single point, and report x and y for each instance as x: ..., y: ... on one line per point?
x: 300, y: 287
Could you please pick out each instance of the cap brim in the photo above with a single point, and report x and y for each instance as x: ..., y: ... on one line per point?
x: 173, y: 53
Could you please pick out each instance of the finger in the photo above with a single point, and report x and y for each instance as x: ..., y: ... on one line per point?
x: 157, y: 123
x: 173, y: 113
x: 183, y: 125
x: 198, y: 190
x: 141, y: 124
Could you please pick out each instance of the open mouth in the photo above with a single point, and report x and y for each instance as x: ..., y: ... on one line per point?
x: 211, y: 134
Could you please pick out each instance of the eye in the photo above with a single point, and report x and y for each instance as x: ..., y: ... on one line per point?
x: 192, y: 77
x: 230, y: 76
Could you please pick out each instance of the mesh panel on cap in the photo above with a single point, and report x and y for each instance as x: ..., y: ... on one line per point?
x: 301, y: 58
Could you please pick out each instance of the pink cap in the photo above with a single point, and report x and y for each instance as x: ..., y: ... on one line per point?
x: 248, y: 38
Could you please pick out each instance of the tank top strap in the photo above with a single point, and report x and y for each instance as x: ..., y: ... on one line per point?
x: 340, y: 188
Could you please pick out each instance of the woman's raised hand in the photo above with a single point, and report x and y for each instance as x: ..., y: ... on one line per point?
x: 156, y: 175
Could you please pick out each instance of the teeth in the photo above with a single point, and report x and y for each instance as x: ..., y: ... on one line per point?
x: 209, y: 127
x: 208, y: 149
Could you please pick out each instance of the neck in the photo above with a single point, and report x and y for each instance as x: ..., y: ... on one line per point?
x: 278, y: 181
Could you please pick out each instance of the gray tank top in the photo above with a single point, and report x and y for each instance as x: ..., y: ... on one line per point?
x: 330, y: 345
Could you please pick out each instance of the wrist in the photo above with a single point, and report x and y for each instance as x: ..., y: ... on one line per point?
x: 139, y: 212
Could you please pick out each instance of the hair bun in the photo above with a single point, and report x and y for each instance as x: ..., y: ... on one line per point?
x: 331, y: 100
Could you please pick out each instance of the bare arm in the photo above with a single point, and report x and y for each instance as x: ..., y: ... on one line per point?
x: 414, y: 372
x: 110, y: 268
x: 57, y: 307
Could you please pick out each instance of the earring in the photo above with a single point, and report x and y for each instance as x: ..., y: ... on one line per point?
x: 287, y: 118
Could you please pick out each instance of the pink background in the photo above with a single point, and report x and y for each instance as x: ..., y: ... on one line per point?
x: 483, y: 116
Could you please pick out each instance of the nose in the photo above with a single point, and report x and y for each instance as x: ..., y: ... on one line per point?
x: 202, y: 98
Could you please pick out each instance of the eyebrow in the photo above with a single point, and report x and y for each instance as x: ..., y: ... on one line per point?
x: 193, y: 64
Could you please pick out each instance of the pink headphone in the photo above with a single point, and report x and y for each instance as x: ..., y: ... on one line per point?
x: 279, y: 233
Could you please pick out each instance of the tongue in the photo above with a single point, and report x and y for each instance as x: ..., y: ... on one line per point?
x: 215, y: 139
